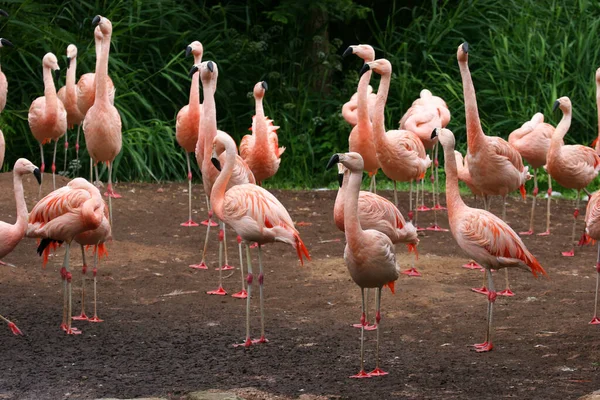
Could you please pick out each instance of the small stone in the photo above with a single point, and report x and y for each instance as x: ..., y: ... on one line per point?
x: 206, y: 395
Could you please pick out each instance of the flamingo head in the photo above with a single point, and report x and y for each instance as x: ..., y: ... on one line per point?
x: 3, y: 13
x: 104, y: 24
x: 24, y: 166
x: 353, y: 161
x: 98, y: 35
x: 341, y: 172
x: 208, y: 71
x: 364, y: 51
x: 259, y: 90
x: 221, y: 143
x: 71, y: 54
x: 196, y: 49
x: 445, y: 137
x: 564, y: 103
x: 50, y: 61
x: 462, y: 54
x: 380, y: 66
x: 5, y: 42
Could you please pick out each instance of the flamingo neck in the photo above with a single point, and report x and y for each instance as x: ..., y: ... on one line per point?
x: 194, y: 104
x: 22, y: 214
x: 453, y: 199
x: 50, y: 92
x: 217, y: 194
x: 260, y: 125
x: 71, y: 74
x: 559, y: 133
x: 362, y: 102
x: 208, y: 122
x: 102, y: 70
x: 340, y: 198
x: 474, y: 131
x: 598, y: 107
x: 518, y: 134
x: 379, y: 111
x: 351, y: 223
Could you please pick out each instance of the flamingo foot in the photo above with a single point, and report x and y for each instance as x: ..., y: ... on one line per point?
x: 95, y: 319
x: 506, y: 292
x: 111, y: 193
x: 437, y: 228
x: 16, y: 331
x: 247, y: 343
x: 260, y: 341
x: 526, y: 233
x: 595, y: 321
x: 368, y: 327
x: 570, y: 253
x: 439, y: 207
x: 378, y: 372
x: 419, y: 229
x: 411, y: 272
x: 471, y: 265
x: 547, y: 233
x: 225, y: 267
x: 212, y: 223
x: 254, y: 245
x: 7, y: 264
x: 361, y: 374
x: 81, y: 317
x: 483, y: 347
x: 189, y: 223
x: 202, y: 265
x: 219, y: 292
x: 73, y: 331
x: 242, y: 294
x: 481, y: 290
x: 423, y: 207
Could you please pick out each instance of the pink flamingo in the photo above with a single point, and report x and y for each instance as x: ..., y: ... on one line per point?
x: 68, y: 95
x: 261, y: 150
x: 495, y: 166
x: 60, y: 217
x: 573, y: 166
x: 596, y: 143
x: 592, y: 229
x: 369, y: 254
x: 378, y: 213
x: 483, y: 236
x: 256, y: 215
x: 47, y: 115
x: 3, y: 81
x: 102, y: 123
x: 97, y: 239
x: 400, y: 153
x: 12, y: 234
x: 361, y: 136
x: 188, y: 122
x: 532, y: 141
x: 2, y: 149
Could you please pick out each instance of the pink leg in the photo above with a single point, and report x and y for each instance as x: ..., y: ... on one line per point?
x: 547, y: 232
x: 110, y: 192
x: 208, y: 221
x: 220, y: 291
x: 482, y: 289
x: 248, y: 341
x: 378, y: 371
x: 363, y: 319
x: 189, y: 222
x: 472, y: 265
x: 242, y: 294
x: 487, y: 345
x: 54, y: 165
x: 595, y: 320
x: 571, y: 253
x: 11, y: 325
x: 82, y: 316
x: 42, y: 169
x: 533, y: 201
x: 95, y: 272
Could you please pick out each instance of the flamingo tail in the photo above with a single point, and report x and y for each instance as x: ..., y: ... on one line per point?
x: 536, y: 267
x: 101, y: 249
x: 411, y: 248
x: 44, y: 248
x: 391, y: 285
x: 523, y: 192
x: 301, y: 249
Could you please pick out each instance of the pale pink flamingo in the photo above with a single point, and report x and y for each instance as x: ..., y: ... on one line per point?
x: 102, y: 123
x: 400, y: 153
x: 12, y: 234
x: 47, y: 115
x: 378, y: 213
x: 97, y: 239
x: 496, y: 167
x: 2, y: 149
x: 532, y: 141
x: 483, y: 236
x: 592, y: 229
x: 256, y: 215
x: 361, y: 136
x: 596, y: 143
x: 369, y: 254
x: 3, y: 81
x: 188, y: 122
x: 350, y: 108
x: 68, y: 95
x: 572, y: 166
x: 261, y: 150
x: 60, y: 217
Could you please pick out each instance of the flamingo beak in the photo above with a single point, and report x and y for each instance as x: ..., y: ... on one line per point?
x: 215, y: 160
x: 348, y: 51
x: 3, y: 13
x: 556, y: 105
x: 264, y: 85
x: 434, y: 134
x: 6, y: 43
x: 188, y: 50
x: 38, y: 175
x: 340, y: 179
x: 465, y: 47
x: 333, y: 160
x: 96, y: 20
x: 57, y: 74
x: 210, y: 66
x: 364, y: 69
x: 68, y: 62
x: 193, y: 71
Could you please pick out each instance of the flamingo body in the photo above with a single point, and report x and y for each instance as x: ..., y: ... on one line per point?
x: 68, y: 93
x: 426, y: 113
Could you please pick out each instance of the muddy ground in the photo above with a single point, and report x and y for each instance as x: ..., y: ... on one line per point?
x: 163, y: 335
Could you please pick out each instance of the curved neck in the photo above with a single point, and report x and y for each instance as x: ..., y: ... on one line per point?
x: 260, y: 124
x: 338, y: 208
x: 351, y: 222
x: 362, y: 103
x: 474, y: 131
x: 71, y: 74
x: 217, y: 194
x: 453, y: 199
x: 559, y: 133
x: 518, y: 134
x: 208, y: 123
x: 49, y: 92
x: 194, y: 103
x: 102, y: 70
x: 22, y: 214
x: 379, y: 111
x: 598, y: 106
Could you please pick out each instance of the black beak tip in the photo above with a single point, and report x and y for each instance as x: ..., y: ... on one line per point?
x: 465, y: 47
x: 57, y: 74
x: 38, y: 175
x: 364, y: 69
x: 333, y: 161
x: 264, y: 85
x: 348, y: 51
x: 68, y: 62
x: 96, y: 20
x: 556, y: 105
x: 188, y: 50
x: 434, y: 134
x: 210, y: 66
x: 6, y: 42
x: 193, y: 71
x: 340, y: 179
x: 215, y: 161
x: 3, y: 13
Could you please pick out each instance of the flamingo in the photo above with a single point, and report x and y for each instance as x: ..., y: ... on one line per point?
x: 361, y: 136
x: 261, y: 150
x: 97, y: 239
x: 12, y: 234
x: 2, y: 149
x: 400, y: 153
x: 573, y: 166
x: 47, y: 115
x: 68, y: 95
x: 188, y: 121
x: 596, y: 143
x: 483, y: 236
x: 592, y: 229
x: 369, y: 254
x: 532, y: 141
x: 426, y: 113
x: 3, y: 81
x: 256, y: 215
x: 60, y: 217
x: 496, y: 167
x: 102, y: 123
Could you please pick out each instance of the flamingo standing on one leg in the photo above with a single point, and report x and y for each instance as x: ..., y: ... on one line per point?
x: 68, y: 95
x: 485, y: 237
x: 261, y: 150
x: 361, y: 136
x: 592, y: 229
x: 256, y: 215
x: 102, y: 123
x: 400, y: 153
x: 369, y: 254
x: 188, y: 122
x: 47, y: 115
x: 12, y: 234
x: 495, y: 166
x: 532, y: 141
x: 60, y: 217
x: 573, y: 166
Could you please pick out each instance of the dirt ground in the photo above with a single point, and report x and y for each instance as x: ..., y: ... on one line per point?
x: 163, y: 335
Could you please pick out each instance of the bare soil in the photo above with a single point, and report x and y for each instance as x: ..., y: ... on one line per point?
x: 164, y: 336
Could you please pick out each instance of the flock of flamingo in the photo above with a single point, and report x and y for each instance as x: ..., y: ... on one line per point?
x: 372, y: 224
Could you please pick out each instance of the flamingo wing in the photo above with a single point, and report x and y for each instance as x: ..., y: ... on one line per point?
x: 246, y: 146
x: 503, y: 149
x: 592, y: 216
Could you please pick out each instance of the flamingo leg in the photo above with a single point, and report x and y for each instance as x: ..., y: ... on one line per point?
x: 63, y: 275
x: 66, y: 149
x: 95, y: 272
x: 378, y: 371
x: 367, y: 326
x: 504, y: 208
x: 595, y: 320
x: 571, y: 252
x: 11, y: 325
x: 91, y: 170
x: 410, y: 203
x: 422, y: 207
x: 547, y: 232
x: 417, y: 209
x: 54, y: 165
x: 483, y: 289
x: 226, y: 266
x: 249, y: 278
x: 98, y: 182
x: 363, y: 320
x: 220, y: 291
x: 261, y: 278
x: 487, y: 345
x: 396, y: 195
x: 412, y: 271
x: 189, y: 222
x: 82, y: 316
x: 242, y: 294
x: 110, y: 192
x: 70, y: 330
x: 435, y: 189
x: 208, y: 221
x: 507, y: 291
x: 535, y: 193
x: 374, y: 183
x: 202, y: 264
x: 42, y: 168
x: 77, y: 145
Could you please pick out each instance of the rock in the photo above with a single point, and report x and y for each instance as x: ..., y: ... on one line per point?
x: 591, y: 396
x: 142, y: 398
x: 207, y: 395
